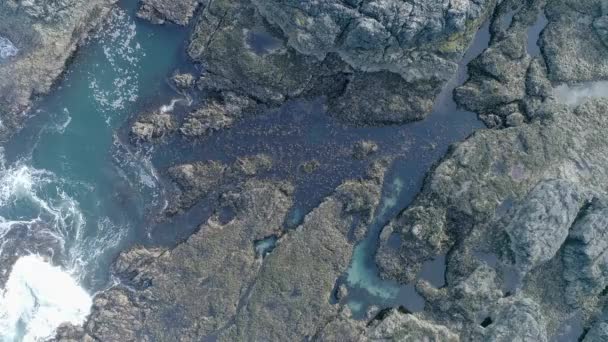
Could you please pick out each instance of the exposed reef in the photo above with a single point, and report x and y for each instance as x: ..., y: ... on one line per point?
x: 376, y: 62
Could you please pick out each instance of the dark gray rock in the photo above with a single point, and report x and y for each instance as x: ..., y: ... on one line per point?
x: 374, y: 67
x: 176, y: 11
x: 541, y: 224
x: 201, y: 179
x: 585, y: 257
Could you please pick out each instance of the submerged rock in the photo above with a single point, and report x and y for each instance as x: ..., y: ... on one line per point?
x: 202, y: 179
x: 215, y: 115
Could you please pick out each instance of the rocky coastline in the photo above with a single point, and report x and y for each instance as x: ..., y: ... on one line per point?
x: 518, y: 209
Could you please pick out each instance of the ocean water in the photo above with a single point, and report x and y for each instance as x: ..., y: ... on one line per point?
x: 72, y: 193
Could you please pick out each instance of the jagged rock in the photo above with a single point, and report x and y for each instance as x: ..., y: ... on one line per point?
x: 600, y: 25
x: 252, y: 165
x: 215, y: 116
x: 540, y: 225
x: 151, y: 127
x: 200, y: 179
x: 488, y: 170
x: 422, y: 235
x: 515, y: 119
x: 298, y: 277
x: 233, y: 295
x: 203, y: 296
x: 342, y: 328
x: 585, y: 257
x: 575, y: 26
x: 43, y: 35
x: 176, y: 11
x: 380, y: 70
x: 183, y: 81
x: 598, y: 332
x: 407, y: 327
x: 514, y: 319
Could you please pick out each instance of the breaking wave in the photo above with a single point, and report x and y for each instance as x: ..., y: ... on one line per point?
x: 38, y: 297
x: 44, y: 253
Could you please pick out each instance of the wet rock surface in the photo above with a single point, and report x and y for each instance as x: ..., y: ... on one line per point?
x: 517, y: 210
x: 36, y: 40
x: 159, y: 11
x: 376, y: 62
x: 235, y: 293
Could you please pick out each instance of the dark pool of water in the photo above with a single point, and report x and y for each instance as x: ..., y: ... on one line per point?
x: 534, y: 32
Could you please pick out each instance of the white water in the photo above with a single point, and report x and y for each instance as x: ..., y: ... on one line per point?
x: 7, y: 48
x: 38, y: 297
x: 122, y: 53
x: 171, y: 106
x: 578, y: 94
x: 39, y: 222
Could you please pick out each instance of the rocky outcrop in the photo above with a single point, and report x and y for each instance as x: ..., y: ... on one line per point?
x: 407, y: 327
x: 237, y: 293
x: 585, y: 254
x: 152, y: 127
x: 171, y: 284
x: 540, y: 225
x: 522, y: 206
x: 570, y: 20
x: 216, y: 115
x: 202, y: 179
x: 175, y: 11
x: 43, y: 35
x: 505, y: 75
x: 375, y: 67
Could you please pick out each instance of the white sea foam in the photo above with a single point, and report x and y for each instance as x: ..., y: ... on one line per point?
x: 37, y: 217
x: 7, y: 48
x: 122, y: 52
x: 578, y: 94
x: 37, y: 298
x: 171, y: 106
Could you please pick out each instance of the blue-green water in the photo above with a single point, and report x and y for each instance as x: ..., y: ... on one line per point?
x: 70, y: 189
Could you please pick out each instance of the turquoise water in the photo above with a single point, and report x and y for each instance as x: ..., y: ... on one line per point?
x: 447, y: 124
x: 71, y: 191
x: 74, y: 137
